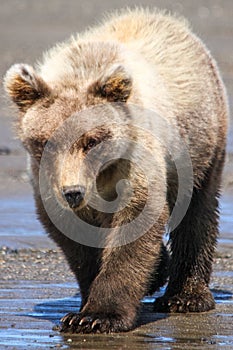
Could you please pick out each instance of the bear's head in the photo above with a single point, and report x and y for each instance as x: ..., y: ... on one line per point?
x: 66, y: 127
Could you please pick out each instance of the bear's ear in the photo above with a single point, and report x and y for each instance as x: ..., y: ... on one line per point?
x: 24, y: 86
x: 115, y: 85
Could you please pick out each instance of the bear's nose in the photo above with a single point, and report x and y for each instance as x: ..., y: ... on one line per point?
x: 74, y: 195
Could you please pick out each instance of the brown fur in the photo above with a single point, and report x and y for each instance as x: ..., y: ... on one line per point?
x: 152, y: 60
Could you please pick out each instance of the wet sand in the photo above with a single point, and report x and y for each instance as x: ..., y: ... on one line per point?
x: 37, y: 289
x: 36, y: 286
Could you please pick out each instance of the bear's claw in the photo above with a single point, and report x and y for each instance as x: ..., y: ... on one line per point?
x: 92, y: 323
x: 186, y: 303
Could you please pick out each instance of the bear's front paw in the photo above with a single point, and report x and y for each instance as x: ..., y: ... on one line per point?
x: 185, y: 303
x: 93, y: 323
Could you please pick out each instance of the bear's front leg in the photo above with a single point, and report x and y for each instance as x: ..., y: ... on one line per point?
x: 115, y: 294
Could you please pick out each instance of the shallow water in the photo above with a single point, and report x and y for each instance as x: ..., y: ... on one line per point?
x: 30, y: 308
x: 18, y: 217
x: 20, y: 228
x: 25, y: 328
x: 226, y: 220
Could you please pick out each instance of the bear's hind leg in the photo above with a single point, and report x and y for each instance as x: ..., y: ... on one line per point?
x: 193, y: 244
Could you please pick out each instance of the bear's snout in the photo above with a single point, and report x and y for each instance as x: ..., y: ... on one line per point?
x: 74, y: 195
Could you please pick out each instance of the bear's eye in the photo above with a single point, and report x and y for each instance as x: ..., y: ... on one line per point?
x: 90, y: 144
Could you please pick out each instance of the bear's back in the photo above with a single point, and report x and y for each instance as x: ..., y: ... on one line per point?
x: 172, y: 72
x: 150, y: 44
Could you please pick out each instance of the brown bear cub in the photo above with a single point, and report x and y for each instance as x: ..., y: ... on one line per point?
x: 88, y: 102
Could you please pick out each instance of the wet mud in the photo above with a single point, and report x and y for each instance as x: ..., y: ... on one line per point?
x: 36, y: 286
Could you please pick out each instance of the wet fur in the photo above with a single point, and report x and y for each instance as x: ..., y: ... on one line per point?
x: 154, y: 60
